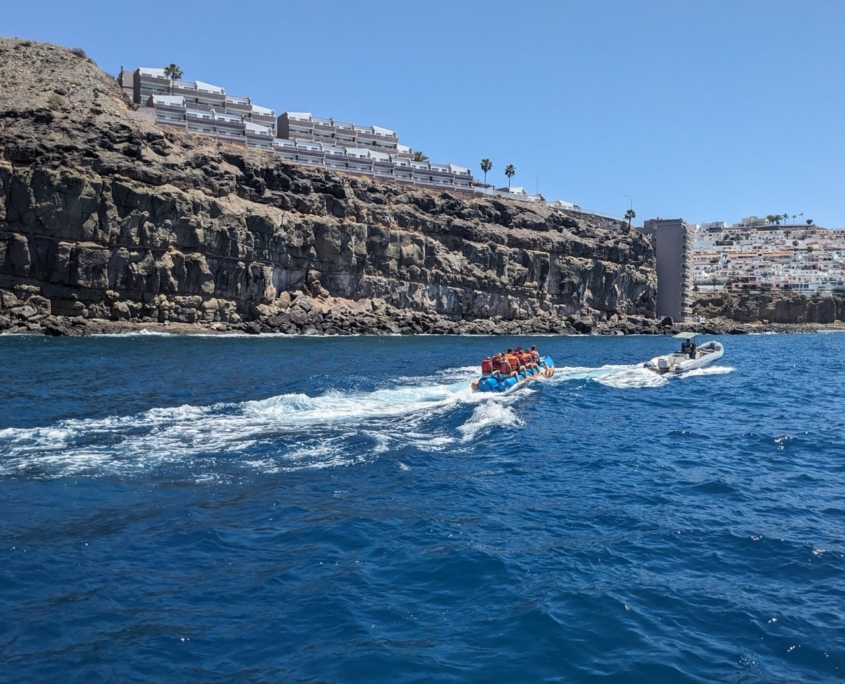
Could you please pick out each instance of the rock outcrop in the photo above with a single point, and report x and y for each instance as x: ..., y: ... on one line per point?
x: 772, y: 307
x: 104, y: 216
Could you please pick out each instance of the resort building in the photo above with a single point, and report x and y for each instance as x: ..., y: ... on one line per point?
x: 517, y: 193
x: 304, y: 126
x: 673, y: 247
x: 368, y: 150
x: 359, y: 160
x: 206, y: 109
x: 149, y: 85
x: 174, y: 111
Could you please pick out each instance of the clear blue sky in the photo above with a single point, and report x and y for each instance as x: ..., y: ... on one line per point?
x: 705, y: 110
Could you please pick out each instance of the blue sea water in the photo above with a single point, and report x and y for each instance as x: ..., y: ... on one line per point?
x: 347, y: 510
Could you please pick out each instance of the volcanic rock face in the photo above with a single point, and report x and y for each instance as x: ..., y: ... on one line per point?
x: 106, y: 216
x: 772, y: 307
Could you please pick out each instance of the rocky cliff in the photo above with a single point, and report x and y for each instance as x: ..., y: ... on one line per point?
x: 104, y: 216
x: 772, y: 307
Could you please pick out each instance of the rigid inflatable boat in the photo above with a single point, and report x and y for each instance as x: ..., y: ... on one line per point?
x: 492, y: 383
x: 691, y: 356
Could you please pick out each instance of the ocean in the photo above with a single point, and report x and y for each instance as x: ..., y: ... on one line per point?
x: 257, y: 509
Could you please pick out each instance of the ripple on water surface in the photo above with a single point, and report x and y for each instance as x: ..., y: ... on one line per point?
x: 250, y: 509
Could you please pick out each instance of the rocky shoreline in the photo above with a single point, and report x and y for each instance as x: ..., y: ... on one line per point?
x: 24, y: 311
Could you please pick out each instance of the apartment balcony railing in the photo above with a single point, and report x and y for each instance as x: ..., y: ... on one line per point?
x: 365, y: 135
x: 238, y: 107
x: 256, y: 116
x: 229, y: 126
x: 149, y: 78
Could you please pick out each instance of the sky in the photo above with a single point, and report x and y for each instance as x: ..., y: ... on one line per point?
x: 710, y: 111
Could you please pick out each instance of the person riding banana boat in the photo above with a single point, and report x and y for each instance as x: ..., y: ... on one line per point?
x: 512, y: 368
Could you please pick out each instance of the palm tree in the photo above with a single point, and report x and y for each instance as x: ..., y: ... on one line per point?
x: 419, y: 156
x: 630, y: 214
x: 174, y: 73
x: 510, y: 172
x: 486, y: 165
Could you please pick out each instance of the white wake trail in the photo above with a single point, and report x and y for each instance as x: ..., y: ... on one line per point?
x: 299, y: 430
x: 630, y: 376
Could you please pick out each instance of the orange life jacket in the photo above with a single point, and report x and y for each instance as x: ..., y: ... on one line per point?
x: 486, y: 366
x: 527, y: 358
x: 505, y: 367
x: 513, y: 361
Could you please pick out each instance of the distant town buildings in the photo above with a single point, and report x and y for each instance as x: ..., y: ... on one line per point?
x: 758, y: 254
x: 673, y: 247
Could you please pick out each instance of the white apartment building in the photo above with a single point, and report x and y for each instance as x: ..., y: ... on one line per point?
x: 371, y: 162
x: 151, y: 87
x: 757, y: 255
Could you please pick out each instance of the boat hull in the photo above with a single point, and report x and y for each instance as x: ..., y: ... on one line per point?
x: 489, y: 383
x: 678, y: 363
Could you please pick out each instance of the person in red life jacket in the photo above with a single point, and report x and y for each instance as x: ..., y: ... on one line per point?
x: 496, y: 364
x: 520, y: 360
x: 505, y: 369
x: 486, y: 367
x: 528, y: 360
x: 514, y: 361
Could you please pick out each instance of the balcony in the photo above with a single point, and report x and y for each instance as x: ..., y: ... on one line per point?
x: 265, y: 119
x: 154, y: 80
x: 369, y: 136
x: 235, y: 105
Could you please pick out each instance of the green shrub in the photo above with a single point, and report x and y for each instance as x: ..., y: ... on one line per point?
x: 56, y: 101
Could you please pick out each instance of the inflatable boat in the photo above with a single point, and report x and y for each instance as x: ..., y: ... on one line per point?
x: 691, y: 356
x: 492, y: 383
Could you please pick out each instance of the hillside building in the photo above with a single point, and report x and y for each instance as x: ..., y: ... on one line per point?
x: 673, y: 248
x: 304, y: 126
x: 297, y: 137
x: 152, y: 88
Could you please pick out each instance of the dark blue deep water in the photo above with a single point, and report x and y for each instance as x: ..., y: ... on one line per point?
x: 346, y: 510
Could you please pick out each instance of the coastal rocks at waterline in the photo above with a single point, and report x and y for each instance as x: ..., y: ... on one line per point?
x: 24, y: 310
x: 772, y: 307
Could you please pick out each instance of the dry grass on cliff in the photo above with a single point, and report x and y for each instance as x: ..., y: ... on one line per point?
x: 40, y: 75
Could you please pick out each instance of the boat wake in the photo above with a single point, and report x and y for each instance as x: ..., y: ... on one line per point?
x: 281, y: 432
x: 630, y: 376
x: 291, y: 431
